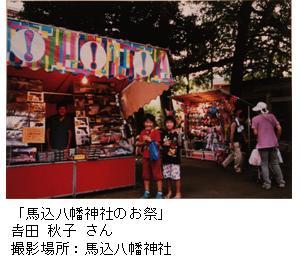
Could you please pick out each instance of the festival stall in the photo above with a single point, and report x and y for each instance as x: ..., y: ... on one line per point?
x: 207, y: 123
x: 103, y: 81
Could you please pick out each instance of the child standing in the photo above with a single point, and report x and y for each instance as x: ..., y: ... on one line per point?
x: 151, y: 168
x: 171, y: 141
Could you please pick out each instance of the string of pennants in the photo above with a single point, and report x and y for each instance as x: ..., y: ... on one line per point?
x: 51, y: 48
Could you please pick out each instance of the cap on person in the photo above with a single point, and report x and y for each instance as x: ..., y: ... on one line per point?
x: 261, y: 107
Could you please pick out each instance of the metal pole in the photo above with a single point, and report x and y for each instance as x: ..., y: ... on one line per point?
x: 249, y: 129
x: 74, y: 179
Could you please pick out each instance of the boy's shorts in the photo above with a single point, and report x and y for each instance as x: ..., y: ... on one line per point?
x: 152, y: 169
x: 171, y: 171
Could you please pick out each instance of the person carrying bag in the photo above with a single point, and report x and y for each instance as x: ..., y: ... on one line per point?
x: 267, y: 129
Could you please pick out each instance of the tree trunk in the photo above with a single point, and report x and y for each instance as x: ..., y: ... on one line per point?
x: 188, y: 83
x: 139, y: 120
x: 212, y: 68
x: 166, y: 103
x: 240, y: 47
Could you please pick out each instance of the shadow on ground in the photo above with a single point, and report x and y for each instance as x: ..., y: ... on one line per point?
x: 207, y: 180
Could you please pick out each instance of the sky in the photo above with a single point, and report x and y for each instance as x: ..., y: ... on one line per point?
x: 14, y: 4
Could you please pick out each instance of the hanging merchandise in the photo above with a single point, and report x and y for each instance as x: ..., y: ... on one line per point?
x: 25, y: 121
x: 82, y: 131
x: 208, y: 118
x: 98, y: 123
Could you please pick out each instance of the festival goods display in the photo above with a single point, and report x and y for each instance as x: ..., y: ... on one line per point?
x: 24, y: 84
x: 25, y: 112
x: 209, y: 128
x: 98, y: 120
x: 206, y: 125
x: 208, y: 118
x: 93, y: 71
x: 21, y: 155
x: 99, y: 126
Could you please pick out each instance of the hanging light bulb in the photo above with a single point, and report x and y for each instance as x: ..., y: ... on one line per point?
x: 84, y: 80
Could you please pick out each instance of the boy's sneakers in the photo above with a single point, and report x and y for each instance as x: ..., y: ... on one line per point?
x: 281, y: 184
x: 266, y: 186
x: 178, y: 196
x: 146, y: 195
x: 238, y: 171
x: 159, y: 195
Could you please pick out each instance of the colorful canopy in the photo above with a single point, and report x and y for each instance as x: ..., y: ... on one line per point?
x: 137, y: 94
x: 201, y: 97
x: 51, y: 48
x: 34, y: 50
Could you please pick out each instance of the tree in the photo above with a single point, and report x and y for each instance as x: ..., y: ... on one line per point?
x: 269, y: 45
x: 248, y: 40
x: 238, y: 40
x: 155, y: 23
x: 240, y: 47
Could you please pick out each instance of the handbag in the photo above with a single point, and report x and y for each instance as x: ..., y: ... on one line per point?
x: 255, y: 158
x: 153, y: 151
x: 279, y: 156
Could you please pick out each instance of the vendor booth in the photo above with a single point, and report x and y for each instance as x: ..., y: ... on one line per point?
x: 208, y: 117
x: 103, y: 81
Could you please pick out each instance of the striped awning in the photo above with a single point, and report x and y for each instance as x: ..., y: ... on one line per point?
x: 50, y: 48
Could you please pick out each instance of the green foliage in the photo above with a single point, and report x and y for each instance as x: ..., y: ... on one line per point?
x: 156, y: 111
x: 269, y: 46
x: 201, y: 40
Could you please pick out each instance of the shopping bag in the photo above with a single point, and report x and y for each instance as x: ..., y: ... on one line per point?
x: 153, y: 151
x: 279, y: 156
x: 255, y: 158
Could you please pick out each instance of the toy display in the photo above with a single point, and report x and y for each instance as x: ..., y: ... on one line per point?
x: 98, y: 116
x: 209, y: 123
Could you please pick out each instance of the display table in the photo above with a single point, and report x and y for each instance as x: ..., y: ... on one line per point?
x: 39, y: 180
x: 200, y: 154
x: 68, y: 178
